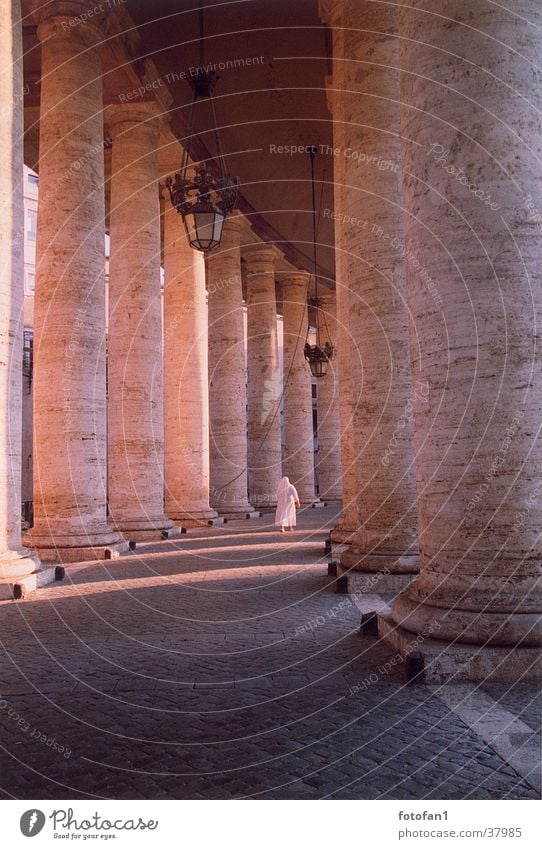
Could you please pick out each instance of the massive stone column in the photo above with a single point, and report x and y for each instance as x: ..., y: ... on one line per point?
x: 186, y: 376
x: 135, y: 379
x: 348, y: 522
x: 227, y: 375
x: 327, y: 399
x: 298, y: 427
x: 264, y: 386
x: 15, y: 561
x: 473, y: 196
x: 69, y: 311
x: 371, y: 235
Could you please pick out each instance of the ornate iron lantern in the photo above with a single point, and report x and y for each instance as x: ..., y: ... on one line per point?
x: 318, y: 355
x: 202, y: 200
x: 203, y: 204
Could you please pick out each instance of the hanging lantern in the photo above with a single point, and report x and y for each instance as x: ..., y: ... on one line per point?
x: 318, y: 355
x: 203, y: 204
x: 318, y: 358
x: 201, y: 200
x: 203, y: 224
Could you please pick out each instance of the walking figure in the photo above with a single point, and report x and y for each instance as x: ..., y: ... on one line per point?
x: 287, y: 501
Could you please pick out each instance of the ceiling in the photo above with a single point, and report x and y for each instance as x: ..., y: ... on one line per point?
x: 272, y: 58
x: 273, y: 96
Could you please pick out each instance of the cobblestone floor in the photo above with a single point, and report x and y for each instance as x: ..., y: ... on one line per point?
x: 223, y: 665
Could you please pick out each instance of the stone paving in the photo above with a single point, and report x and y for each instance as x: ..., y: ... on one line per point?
x: 223, y: 665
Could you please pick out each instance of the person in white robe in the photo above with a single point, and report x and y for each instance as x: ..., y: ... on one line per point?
x: 287, y: 501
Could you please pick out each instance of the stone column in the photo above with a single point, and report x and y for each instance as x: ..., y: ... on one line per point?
x: 264, y: 377
x: 349, y: 520
x: 298, y: 428
x: 327, y: 399
x: 227, y: 375
x: 372, y: 240
x: 473, y: 195
x: 69, y: 310
x: 186, y: 376
x: 15, y: 561
x: 135, y: 409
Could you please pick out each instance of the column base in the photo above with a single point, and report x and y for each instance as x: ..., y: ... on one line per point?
x: 354, y: 559
x: 478, y: 627
x: 264, y: 506
x: 19, y: 588
x: 381, y: 582
x: 462, y: 661
x: 306, y: 496
x: 249, y: 514
x: 233, y: 508
x: 80, y: 554
x: 147, y: 530
x: 21, y: 569
x: 17, y: 564
x: 154, y: 534
x: 104, y: 544
x: 330, y: 498
x: 342, y: 535
x: 344, y: 531
x: 192, y: 519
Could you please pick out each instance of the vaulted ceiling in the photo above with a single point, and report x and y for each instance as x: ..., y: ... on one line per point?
x: 272, y: 58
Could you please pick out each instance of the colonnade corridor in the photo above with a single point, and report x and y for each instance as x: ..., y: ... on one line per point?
x: 225, y: 665
x: 263, y: 260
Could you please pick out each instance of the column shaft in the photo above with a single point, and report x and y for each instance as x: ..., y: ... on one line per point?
x: 14, y: 559
x: 298, y: 424
x: 264, y: 383
x: 69, y: 309
x: 329, y: 426
x: 473, y: 197
x: 227, y: 375
x: 135, y: 419
x: 186, y: 392
x: 372, y: 240
x: 349, y: 520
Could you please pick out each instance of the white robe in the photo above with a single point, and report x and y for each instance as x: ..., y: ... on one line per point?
x: 286, y: 501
